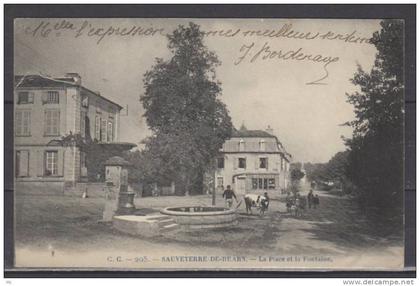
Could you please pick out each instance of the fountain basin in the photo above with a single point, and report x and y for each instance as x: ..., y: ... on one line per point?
x: 197, y: 217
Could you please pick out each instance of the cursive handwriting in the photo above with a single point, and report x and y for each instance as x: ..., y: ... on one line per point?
x: 86, y: 28
x: 252, y: 54
x: 45, y: 29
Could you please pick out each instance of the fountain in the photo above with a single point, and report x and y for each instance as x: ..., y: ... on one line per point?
x: 201, y: 217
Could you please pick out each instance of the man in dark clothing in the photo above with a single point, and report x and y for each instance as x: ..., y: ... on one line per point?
x: 316, y: 201
x: 267, y: 197
x: 229, y: 194
x: 310, y: 198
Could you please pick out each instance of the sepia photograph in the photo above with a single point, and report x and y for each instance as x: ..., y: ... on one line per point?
x: 167, y: 144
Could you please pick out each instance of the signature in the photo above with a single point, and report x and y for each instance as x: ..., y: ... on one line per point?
x: 251, y: 53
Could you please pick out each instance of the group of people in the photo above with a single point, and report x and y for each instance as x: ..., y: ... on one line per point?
x: 297, y: 203
x: 229, y: 195
x: 313, y: 200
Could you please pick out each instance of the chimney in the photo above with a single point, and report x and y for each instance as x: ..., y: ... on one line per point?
x: 75, y: 76
x: 269, y: 130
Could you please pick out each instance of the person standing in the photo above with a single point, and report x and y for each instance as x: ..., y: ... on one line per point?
x: 316, y: 201
x: 289, y: 202
x: 310, y: 198
x: 228, y: 195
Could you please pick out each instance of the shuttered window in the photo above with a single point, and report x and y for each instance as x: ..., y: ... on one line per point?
x: 98, y: 128
x: 22, y: 163
x: 103, y: 130
x: 52, y: 122
x: 23, y: 122
x: 25, y: 97
x: 83, y: 115
x: 53, y: 97
x: 110, y: 131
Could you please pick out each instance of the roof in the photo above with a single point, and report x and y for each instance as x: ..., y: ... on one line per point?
x: 252, y: 133
x: 39, y: 81
x: 43, y: 81
x: 230, y: 146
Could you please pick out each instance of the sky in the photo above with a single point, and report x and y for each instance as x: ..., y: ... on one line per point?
x: 262, y: 84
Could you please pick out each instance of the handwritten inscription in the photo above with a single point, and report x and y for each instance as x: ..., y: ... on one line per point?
x: 86, y: 28
x: 252, y: 53
x: 249, y: 52
x: 46, y: 29
x: 286, y: 31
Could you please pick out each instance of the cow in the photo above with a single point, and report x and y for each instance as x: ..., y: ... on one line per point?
x: 258, y: 201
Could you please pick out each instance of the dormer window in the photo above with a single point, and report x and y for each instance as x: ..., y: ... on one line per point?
x: 262, y: 145
x: 241, y: 145
x: 85, y: 101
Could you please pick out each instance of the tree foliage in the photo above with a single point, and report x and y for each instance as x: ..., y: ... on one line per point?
x: 376, y: 148
x: 188, y: 121
x: 96, y: 153
x: 334, y: 170
x: 295, y: 172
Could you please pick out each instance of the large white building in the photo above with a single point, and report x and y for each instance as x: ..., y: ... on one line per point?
x: 252, y: 161
x: 46, y: 109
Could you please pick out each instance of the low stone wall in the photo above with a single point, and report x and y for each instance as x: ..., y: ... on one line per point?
x: 94, y: 190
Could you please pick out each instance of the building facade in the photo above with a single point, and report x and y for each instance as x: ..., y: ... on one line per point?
x: 46, y: 110
x: 253, y: 161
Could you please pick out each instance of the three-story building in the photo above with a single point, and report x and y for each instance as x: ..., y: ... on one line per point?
x: 252, y: 161
x: 46, y: 110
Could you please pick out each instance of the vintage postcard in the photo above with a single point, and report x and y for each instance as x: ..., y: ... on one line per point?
x: 208, y: 144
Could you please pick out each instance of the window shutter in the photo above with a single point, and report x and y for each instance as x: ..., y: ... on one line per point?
x: 18, y: 122
x: 24, y: 164
x: 44, y: 97
x: 257, y: 163
x: 235, y: 163
x: 56, y: 122
x: 47, y: 121
x: 267, y: 164
x: 60, y: 162
x: 31, y: 97
x: 26, y: 123
x: 40, y: 163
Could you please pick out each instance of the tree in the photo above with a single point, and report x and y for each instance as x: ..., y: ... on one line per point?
x: 296, y: 174
x: 96, y: 153
x: 335, y: 170
x: 376, y: 148
x: 188, y: 121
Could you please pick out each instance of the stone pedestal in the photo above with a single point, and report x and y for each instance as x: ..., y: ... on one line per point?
x: 119, y: 201
x: 111, y: 201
